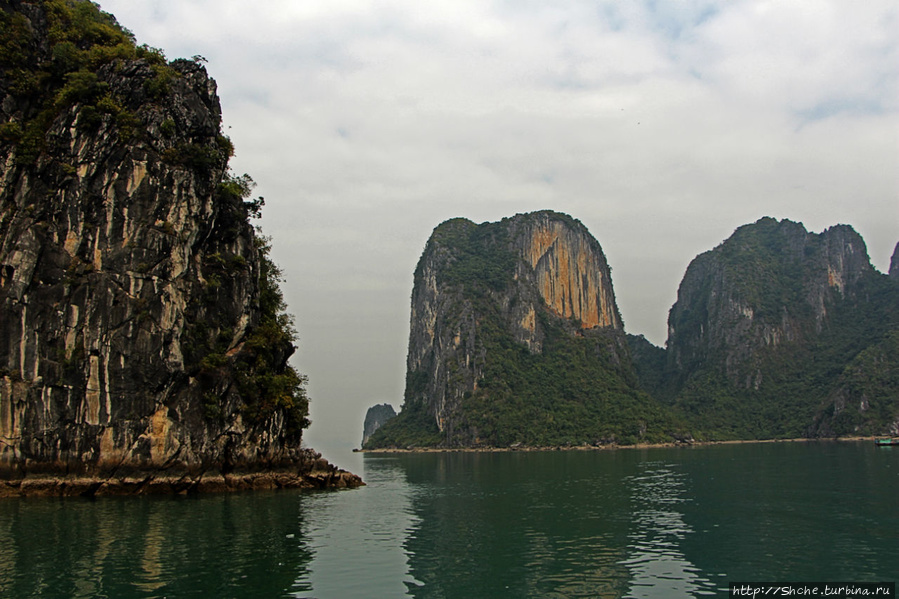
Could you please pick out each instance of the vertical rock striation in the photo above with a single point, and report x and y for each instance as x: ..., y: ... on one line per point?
x: 569, y: 268
x: 133, y: 287
x: 769, y: 284
x: 765, y: 322
x: 494, y: 309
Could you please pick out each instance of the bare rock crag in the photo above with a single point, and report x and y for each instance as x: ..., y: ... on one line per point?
x: 484, y: 298
x: 129, y: 280
x: 780, y: 332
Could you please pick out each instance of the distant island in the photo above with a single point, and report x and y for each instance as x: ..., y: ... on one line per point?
x: 375, y: 418
x: 516, y: 341
x: 145, y: 342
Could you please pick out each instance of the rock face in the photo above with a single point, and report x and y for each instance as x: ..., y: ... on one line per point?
x: 136, y: 297
x: 375, y: 418
x: 769, y: 284
x: 495, y: 307
x: 764, y: 324
x: 569, y: 269
x: 526, y: 263
x: 515, y: 340
x: 894, y: 263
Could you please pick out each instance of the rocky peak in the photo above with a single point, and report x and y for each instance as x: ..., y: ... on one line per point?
x: 770, y: 283
x: 845, y: 256
x: 530, y: 263
x: 375, y: 418
x: 894, y: 263
x: 487, y: 301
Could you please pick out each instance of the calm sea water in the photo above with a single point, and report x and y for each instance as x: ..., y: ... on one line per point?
x: 627, y: 523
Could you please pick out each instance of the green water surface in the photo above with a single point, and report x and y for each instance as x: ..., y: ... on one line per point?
x: 622, y: 523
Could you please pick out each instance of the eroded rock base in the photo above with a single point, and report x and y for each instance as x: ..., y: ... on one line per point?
x: 315, y: 472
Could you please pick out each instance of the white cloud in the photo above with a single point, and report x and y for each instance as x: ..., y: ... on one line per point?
x: 803, y: 56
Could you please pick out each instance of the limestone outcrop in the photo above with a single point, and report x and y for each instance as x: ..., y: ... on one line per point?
x: 770, y: 284
x: 772, y: 330
x: 516, y: 341
x: 142, y: 337
x: 496, y: 307
x: 375, y: 418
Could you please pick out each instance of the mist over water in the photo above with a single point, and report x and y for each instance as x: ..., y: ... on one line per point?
x: 625, y: 523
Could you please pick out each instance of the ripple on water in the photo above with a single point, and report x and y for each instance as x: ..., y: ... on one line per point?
x: 559, y: 525
x: 657, y: 564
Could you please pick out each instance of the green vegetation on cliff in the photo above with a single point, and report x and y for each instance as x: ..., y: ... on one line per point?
x: 569, y: 395
x: 45, y: 75
x: 133, y: 244
x: 508, y: 370
x: 412, y: 427
x: 265, y: 379
x: 867, y: 393
x: 577, y: 391
x: 267, y: 383
x: 764, y: 327
x: 776, y: 333
x: 480, y: 259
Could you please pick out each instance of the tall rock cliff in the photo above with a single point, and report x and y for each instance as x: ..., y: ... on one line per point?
x: 144, y: 340
x: 515, y: 337
x: 765, y: 323
x: 865, y: 399
x: 894, y: 263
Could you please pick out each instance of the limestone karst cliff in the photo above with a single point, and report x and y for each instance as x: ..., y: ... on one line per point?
x: 516, y: 338
x: 769, y: 284
x: 894, y: 263
x: 375, y: 418
x: 765, y: 324
x: 143, y: 340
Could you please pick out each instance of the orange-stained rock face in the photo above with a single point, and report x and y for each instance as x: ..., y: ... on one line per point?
x: 570, y: 275
x: 555, y: 280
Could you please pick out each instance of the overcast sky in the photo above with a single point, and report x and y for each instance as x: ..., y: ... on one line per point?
x: 662, y: 126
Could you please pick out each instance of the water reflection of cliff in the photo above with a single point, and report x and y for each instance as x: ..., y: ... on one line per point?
x: 551, y: 524
x: 218, y: 546
x: 518, y: 525
x: 356, y: 536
